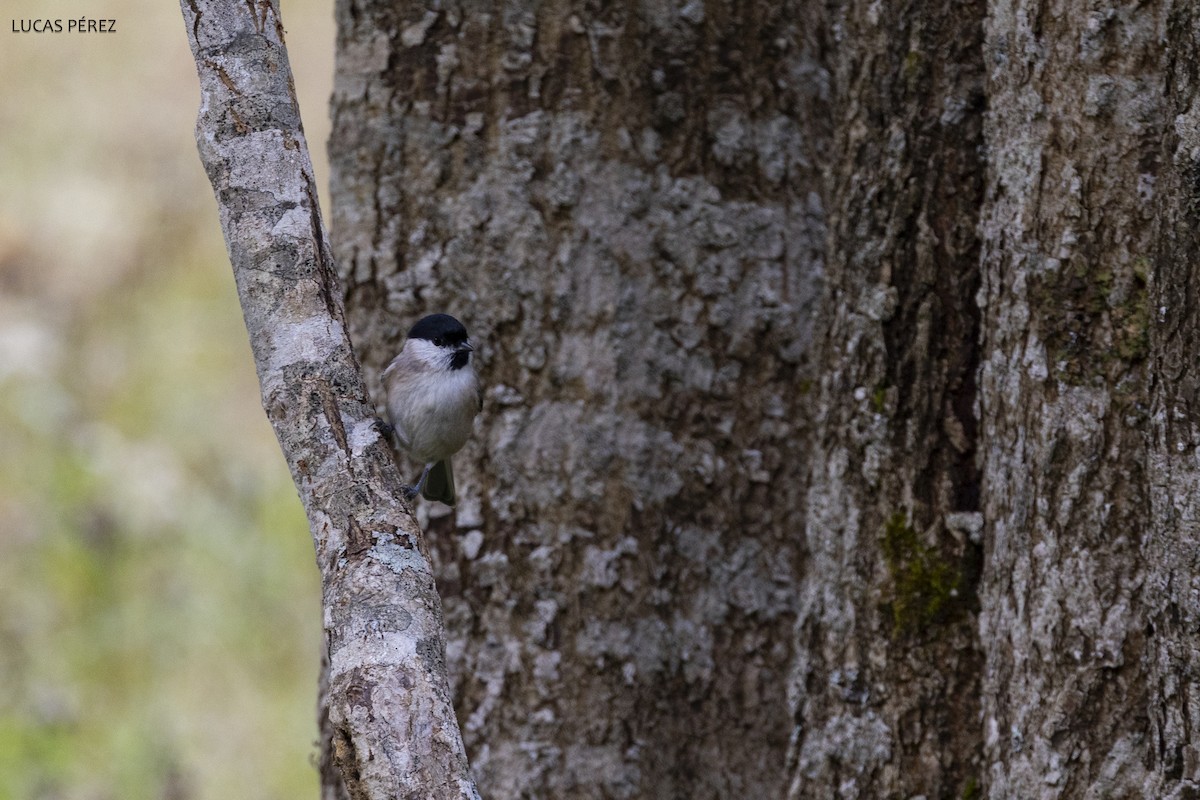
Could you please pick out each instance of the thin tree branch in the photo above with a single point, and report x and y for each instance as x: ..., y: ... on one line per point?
x: 391, y: 722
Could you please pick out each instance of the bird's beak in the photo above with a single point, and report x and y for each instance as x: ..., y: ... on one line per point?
x: 466, y: 346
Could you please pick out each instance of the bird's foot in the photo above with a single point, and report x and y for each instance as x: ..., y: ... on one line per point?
x: 385, y: 429
x: 410, y: 492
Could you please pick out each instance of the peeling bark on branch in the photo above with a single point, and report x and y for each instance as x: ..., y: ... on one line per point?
x: 390, y: 729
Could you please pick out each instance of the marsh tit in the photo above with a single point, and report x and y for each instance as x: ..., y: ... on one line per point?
x: 432, y: 399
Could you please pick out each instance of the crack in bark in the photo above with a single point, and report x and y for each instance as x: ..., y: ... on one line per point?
x: 253, y: 14
x: 223, y: 76
x: 196, y: 19
x: 359, y: 541
x: 333, y: 415
x: 326, y: 274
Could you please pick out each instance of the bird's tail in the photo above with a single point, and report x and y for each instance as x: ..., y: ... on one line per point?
x: 439, y: 485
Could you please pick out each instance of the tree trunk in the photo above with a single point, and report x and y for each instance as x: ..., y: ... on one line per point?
x: 622, y: 206
x: 886, y: 685
x: 1169, y: 548
x: 1074, y: 134
x: 839, y: 438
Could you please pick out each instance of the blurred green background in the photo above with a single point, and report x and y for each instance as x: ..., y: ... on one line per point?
x: 159, y: 603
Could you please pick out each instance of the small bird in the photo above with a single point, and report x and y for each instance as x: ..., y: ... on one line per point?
x: 433, y: 396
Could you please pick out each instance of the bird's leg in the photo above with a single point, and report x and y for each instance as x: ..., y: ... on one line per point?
x: 412, y: 491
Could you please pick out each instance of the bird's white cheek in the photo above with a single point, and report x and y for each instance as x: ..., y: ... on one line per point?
x: 427, y: 353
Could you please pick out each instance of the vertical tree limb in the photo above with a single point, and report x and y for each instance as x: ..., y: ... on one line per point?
x: 391, y: 725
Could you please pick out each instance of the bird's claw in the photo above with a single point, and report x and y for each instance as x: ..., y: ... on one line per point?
x: 409, y: 492
x: 385, y: 429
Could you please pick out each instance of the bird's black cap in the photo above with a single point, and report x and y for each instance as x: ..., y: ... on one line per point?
x: 439, y: 326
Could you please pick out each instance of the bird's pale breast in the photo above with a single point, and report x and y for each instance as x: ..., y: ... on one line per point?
x: 433, y: 411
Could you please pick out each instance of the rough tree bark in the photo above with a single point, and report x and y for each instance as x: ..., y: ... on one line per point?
x: 885, y: 688
x: 1171, y: 549
x: 1075, y: 132
x: 388, y: 722
x: 1085, y: 460
x: 929, y: 530
x: 620, y: 201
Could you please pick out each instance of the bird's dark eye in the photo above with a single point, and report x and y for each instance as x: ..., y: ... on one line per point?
x: 439, y: 341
